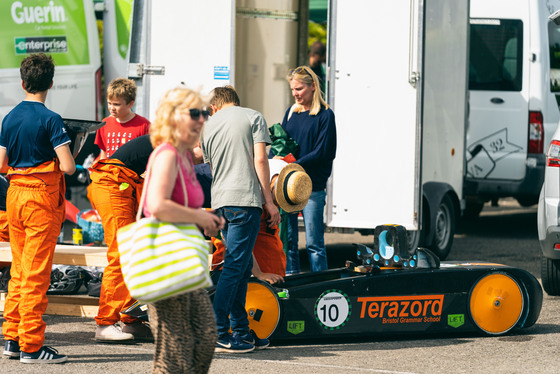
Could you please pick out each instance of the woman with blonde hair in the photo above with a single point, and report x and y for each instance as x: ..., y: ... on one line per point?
x: 184, y: 326
x: 310, y: 122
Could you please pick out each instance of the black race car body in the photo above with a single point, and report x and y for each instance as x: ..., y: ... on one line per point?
x: 455, y: 297
x: 394, y: 291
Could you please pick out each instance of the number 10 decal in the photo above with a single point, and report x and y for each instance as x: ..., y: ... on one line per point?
x: 333, y: 309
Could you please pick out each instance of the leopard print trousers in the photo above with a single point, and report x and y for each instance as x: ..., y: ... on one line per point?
x: 185, y: 333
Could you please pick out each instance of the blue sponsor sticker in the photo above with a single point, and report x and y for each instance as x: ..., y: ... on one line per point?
x: 221, y: 73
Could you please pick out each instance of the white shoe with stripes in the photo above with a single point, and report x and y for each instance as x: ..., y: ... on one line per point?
x: 45, y: 355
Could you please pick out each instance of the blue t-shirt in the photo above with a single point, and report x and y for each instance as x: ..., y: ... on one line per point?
x: 30, y: 133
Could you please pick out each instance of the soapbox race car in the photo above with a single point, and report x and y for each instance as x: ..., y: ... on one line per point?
x: 395, y: 291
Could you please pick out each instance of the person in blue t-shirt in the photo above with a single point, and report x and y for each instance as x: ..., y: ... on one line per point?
x: 35, y: 146
x: 310, y: 122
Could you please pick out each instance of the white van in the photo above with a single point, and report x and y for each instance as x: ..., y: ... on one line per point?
x: 66, y: 30
x: 513, y: 107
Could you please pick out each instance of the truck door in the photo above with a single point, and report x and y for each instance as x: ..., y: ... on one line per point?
x: 65, y: 30
x: 374, y: 58
x: 399, y: 96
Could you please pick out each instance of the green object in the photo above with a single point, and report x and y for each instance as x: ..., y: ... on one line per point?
x: 282, y: 294
x: 282, y: 144
x: 295, y: 327
x: 455, y: 320
x: 123, y: 186
x: 55, y: 28
x: 123, y: 16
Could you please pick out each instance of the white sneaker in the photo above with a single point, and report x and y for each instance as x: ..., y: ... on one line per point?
x: 111, y: 333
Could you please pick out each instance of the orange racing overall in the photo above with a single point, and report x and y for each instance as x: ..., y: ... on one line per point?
x: 115, y: 193
x: 35, y: 209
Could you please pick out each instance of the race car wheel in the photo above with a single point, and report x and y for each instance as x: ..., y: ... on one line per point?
x: 263, y: 308
x: 496, y: 303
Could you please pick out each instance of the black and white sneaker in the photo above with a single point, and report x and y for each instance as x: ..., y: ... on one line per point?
x: 11, y: 349
x: 45, y: 355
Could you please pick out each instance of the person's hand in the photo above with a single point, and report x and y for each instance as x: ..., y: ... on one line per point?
x: 210, y: 222
x: 270, y: 278
x: 273, y: 214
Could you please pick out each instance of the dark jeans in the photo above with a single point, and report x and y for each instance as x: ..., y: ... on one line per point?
x: 239, y: 235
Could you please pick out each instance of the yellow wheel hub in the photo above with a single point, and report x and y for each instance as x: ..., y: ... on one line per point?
x: 496, y: 303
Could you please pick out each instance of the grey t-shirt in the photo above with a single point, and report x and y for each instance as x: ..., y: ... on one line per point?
x: 227, y: 143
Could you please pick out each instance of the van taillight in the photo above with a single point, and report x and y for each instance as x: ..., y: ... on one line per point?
x: 99, y: 105
x: 553, y: 155
x: 536, y: 133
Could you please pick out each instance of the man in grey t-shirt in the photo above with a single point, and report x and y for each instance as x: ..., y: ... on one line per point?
x: 234, y: 143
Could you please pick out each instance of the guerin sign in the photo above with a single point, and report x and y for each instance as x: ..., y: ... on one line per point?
x: 37, y: 14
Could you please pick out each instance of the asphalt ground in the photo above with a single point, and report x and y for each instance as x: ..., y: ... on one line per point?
x: 506, y: 232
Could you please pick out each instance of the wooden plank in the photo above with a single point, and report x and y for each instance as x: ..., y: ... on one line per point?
x: 67, y: 305
x: 64, y: 254
x: 67, y: 255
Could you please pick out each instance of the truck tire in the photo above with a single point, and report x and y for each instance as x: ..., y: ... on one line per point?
x: 527, y: 201
x: 473, y: 207
x: 550, y: 275
x: 415, y: 240
x: 444, y: 228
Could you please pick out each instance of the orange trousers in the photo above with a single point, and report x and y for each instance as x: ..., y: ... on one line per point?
x: 35, y: 208
x: 4, y: 230
x: 268, y: 250
x: 115, y: 193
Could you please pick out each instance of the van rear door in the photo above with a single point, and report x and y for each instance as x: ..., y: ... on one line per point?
x: 497, y: 137
x: 66, y: 30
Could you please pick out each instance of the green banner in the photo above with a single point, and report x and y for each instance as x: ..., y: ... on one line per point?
x: 55, y: 27
x: 123, y: 17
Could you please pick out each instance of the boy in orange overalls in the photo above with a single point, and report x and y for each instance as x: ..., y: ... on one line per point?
x: 115, y: 191
x: 35, y: 145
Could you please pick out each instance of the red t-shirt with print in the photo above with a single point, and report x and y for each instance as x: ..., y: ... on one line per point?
x: 114, y: 134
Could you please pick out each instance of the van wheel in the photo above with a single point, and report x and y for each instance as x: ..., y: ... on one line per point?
x: 527, y: 201
x: 473, y: 208
x: 444, y: 228
x: 550, y: 275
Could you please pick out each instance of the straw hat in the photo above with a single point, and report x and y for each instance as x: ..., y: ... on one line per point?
x: 293, y: 188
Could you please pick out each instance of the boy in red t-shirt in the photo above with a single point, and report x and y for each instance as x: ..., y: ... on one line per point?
x: 122, y: 125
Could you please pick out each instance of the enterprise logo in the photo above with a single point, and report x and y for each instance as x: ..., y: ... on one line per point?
x: 45, y: 44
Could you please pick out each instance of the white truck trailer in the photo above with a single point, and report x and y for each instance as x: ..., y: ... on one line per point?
x: 397, y: 82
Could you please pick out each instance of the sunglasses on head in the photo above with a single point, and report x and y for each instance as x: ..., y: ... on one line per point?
x: 300, y: 70
x: 195, y: 114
